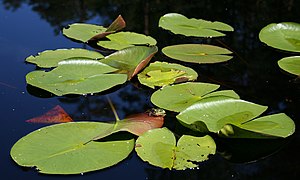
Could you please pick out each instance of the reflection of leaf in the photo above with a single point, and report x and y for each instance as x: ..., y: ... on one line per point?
x: 197, y: 53
x: 284, y: 36
x: 76, y: 77
x: 51, y: 58
x: 180, y: 24
x: 131, y: 60
x: 180, y: 96
x: 162, y: 73
x: 290, y: 64
x: 123, y: 40
x: 55, y: 115
x: 158, y: 147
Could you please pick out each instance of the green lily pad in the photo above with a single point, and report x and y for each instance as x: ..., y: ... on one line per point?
x: 158, y: 147
x: 76, y: 77
x: 123, y: 40
x: 163, y: 73
x: 290, y: 64
x: 179, y: 24
x: 130, y: 60
x: 197, y: 53
x: 69, y: 148
x: 180, y: 96
x: 51, y: 58
x: 284, y: 36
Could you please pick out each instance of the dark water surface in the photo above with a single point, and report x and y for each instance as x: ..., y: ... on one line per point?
x: 31, y: 26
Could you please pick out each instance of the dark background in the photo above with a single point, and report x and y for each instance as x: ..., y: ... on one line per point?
x: 31, y: 26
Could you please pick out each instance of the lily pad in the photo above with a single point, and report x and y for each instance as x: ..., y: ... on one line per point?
x: 51, y: 58
x: 284, y: 36
x: 158, y: 147
x: 123, y: 40
x: 180, y: 96
x: 197, y: 53
x: 163, y: 73
x: 290, y: 64
x: 76, y: 77
x: 179, y: 24
x: 131, y: 60
x: 69, y: 148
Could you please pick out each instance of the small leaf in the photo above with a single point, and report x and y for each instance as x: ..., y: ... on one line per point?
x: 158, y: 147
x: 51, y: 58
x: 131, y: 60
x: 179, y: 24
x: 284, y: 36
x: 290, y: 64
x: 197, y: 53
x: 55, y: 115
x: 163, y: 73
x: 76, y: 77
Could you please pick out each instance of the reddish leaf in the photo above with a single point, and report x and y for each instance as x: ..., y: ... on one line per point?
x: 55, y: 115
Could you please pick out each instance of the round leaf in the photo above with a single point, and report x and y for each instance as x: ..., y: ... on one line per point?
x: 51, y: 58
x: 163, y: 73
x: 68, y: 148
x: 284, y: 36
x: 76, y: 77
x: 197, y: 53
x: 290, y: 64
x: 179, y: 24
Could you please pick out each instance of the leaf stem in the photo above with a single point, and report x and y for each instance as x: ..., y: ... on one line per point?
x: 113, y: 108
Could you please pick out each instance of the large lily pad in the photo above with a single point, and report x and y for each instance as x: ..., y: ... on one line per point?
x: 197, y: 53
x: 284, y: 36
x: 131, y: 60
x: 179, y: 24
x: 290, y: 64
x: 180, y: 96
x: 123, y: 40
x: 51, y: 58
x: 163, y: 73
x: 76, y: 77
x: 158, y: 147
x: 69, y: 148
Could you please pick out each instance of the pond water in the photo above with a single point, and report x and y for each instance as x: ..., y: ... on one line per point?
x: 32, y: 26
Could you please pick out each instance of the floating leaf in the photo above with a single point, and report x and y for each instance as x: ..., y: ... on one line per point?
x: 51, y: 58
x: 163, y: 73
x: 158, y: 147
x: 179, y: 24
x: 197, y: 53
x: 123, y: 40
x: 290, y: 64
x: 284, y: 36
x: 180, y: 96
x: 55, y: 115
x: 131, y: 60
x: 76, y: 77
x: 69, y: 148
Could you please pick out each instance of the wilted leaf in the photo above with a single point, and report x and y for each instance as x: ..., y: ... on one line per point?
x: 290, y: 64
x: 179, y: 24
x: 197, y: 53
x: 55, y: 115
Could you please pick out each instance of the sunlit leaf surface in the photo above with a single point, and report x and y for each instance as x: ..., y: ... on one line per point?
x: 159, y: 148
x: 179, y: 24
x: 284, y: 36
x: 290, y: 64
x: 197, y: 53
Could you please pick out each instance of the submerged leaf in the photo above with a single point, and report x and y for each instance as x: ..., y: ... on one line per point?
x: 76, y: 77
x: 179, y: 24
x: 51, y: 58
x: 197, y: 53
x: 158, y: 147
x: 55, y: 115
x: 290, y: 64
x: 163, y: 73
x: 284, y: 36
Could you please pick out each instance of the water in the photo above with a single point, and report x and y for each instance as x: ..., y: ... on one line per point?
x: 29, y: 27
